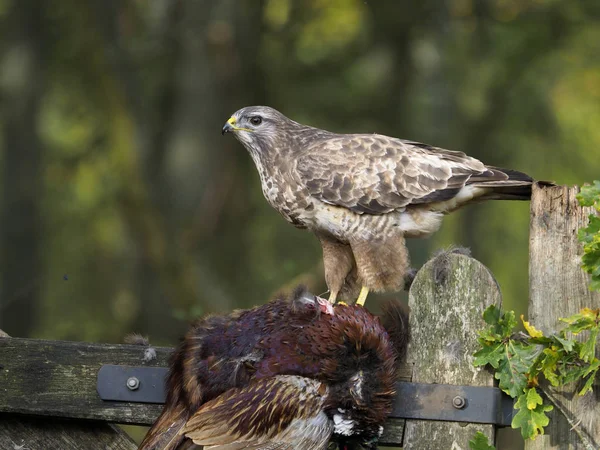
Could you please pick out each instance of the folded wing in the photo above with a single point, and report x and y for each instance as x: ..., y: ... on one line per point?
x: 279, y: 413
x: 377, y: 174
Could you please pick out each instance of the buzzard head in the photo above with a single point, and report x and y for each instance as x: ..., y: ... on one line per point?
x: 258, y: 128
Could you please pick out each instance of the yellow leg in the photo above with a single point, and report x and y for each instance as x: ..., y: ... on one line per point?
x: 362, y: 297
x: 332, y: 297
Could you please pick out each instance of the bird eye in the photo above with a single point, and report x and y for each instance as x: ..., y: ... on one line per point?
x: 256, y: 120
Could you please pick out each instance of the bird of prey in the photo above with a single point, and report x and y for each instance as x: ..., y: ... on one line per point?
x: 363, y: 194
x: 291, y: 374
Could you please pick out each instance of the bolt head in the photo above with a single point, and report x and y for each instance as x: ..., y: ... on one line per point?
x: 133, y: 383
x: 459, y: 402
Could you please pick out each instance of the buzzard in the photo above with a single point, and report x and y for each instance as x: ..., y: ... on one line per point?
x: 284, y: 375
x: 364, y: 194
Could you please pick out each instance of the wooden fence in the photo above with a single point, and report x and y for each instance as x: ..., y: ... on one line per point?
x: 48, y: 389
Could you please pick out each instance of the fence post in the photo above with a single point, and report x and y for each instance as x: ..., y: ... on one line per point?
x: 447, y: 299
x: 559, y: 288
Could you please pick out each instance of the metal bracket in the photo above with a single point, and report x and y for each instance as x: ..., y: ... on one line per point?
x: 132, y: 384
x: 475, y: 404
x: 418, y: 401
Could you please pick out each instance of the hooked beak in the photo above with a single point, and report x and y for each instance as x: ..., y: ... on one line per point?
x: 229, y: 126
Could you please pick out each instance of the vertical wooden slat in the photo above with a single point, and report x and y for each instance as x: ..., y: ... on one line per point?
x: 559, y: 288
x: 447, y: 299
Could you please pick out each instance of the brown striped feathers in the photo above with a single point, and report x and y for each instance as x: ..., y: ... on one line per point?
x: 291, y: 374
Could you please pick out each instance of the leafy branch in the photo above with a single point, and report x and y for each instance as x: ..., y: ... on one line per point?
x: 520, y: 358
x: 590, y: 235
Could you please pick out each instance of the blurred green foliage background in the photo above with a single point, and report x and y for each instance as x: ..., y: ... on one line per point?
x: 123, y: 209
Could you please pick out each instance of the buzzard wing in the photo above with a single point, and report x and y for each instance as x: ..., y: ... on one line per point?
x: 376, y: 174
x: 278, y: 413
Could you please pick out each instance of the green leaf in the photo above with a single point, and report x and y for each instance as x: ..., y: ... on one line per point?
x: 530, y: 421
x: 589, y: 194
x: 592, y: 228
x: 590, y: 235
x: 590, y: 372
x: 584, y: 320
x: 549, y: 365
x: 589, y: 382
x: 571, y: 373
x: 491, y: 315
x: 594, y: 366
x: 533, y: 398
x: 501, y: 324
x: 489, y: 354
x: 507, y: 323
x: 588, y: 349
x: 480, y: 442
x: 515, y: 366
x: 590, y: 260
x: 567, y: 344
x: 579, y: 326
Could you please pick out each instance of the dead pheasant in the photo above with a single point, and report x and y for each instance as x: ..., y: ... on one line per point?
x: 291, y: 374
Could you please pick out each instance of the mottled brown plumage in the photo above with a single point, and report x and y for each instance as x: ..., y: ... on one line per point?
x: 291, y: 374
x: 363, y: 194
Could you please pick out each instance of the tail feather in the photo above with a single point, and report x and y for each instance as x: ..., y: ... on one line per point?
x: 516, y: 185
x: 507, y: 192
x: 165, y: 433
x: 514, y: 175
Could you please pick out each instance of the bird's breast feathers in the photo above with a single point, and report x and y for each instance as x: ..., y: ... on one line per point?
x: 296, y: 205
x: 346, y: 225
x: 289, y: 197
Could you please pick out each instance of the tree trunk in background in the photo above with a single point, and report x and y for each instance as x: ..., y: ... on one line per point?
x: 482, y: 131
x: 185, y: 103
x: 183, y: 163
x: 20, y: 222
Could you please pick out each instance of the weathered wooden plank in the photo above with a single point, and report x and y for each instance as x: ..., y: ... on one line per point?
x: 447, y: 299
x: 23, y: 433
x: 20, y: 432
x: 393, y: 433
x: 559, y: 288
x: 393, y: 429
x: 58, y: 378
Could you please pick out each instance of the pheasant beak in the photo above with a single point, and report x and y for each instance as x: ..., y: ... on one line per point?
x: 230, y: 126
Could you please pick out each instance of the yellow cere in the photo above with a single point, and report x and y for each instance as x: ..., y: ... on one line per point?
x: 232, y: 121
